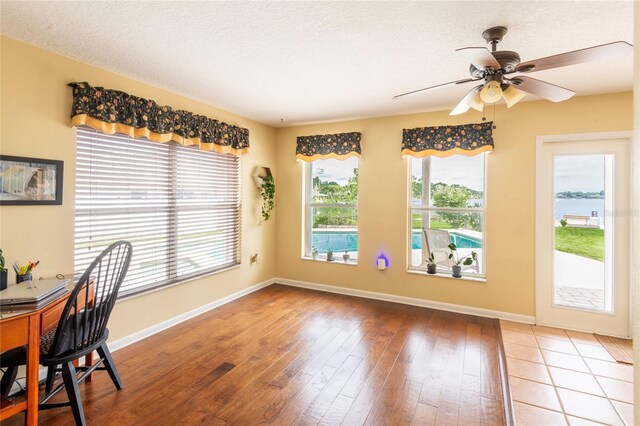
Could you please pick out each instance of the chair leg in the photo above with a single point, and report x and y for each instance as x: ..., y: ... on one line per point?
x: 8, y: 379
x: 103, y: 352
x: 73, y: 392
x: 51, y: 375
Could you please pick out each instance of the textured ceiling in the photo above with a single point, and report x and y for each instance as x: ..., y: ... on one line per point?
x: 317, y: 61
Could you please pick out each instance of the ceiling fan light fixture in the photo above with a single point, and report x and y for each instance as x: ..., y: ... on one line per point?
x: 491, y: 92
x: 512, y: 95
x: 476, y: 102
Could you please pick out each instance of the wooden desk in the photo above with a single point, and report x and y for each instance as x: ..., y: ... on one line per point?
x: 25, y: 329
x: 16, y: 331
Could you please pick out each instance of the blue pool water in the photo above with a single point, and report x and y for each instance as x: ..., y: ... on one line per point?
x: 335, y: 240
x: 348, y: 240
x: 465, y: 241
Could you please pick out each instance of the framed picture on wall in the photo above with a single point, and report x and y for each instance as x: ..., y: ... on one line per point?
x: 30, y: 181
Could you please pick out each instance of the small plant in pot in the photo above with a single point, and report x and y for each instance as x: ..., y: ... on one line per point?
x: 456, y: 269
x: 3, y: 272
x: 431, y: 264
x: 330, y: 255
x: 314, y: 252
x: 346, y: 256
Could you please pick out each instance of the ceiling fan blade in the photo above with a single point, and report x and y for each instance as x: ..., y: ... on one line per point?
x: 595, y: 53
x: 464, y: 106
x: 480, y: 57
x: 451, y: 83
x: 542, y: 89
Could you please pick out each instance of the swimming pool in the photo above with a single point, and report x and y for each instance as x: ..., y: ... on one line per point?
x: 335, y: 240
x: 338, y: 240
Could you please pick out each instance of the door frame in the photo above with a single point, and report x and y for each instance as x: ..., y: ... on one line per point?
x: 540, y: 251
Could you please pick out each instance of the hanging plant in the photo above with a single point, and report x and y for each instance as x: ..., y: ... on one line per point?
x: 268, y: 194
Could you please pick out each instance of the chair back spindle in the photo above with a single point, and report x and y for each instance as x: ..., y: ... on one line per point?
x: 83, y: 323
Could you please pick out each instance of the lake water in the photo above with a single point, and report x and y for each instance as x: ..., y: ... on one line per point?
x: 579, y: 206
x: 574, y: 206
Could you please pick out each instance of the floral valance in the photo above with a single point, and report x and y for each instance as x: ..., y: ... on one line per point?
x: 113, y: 111
x: 443, y: 141
x: 339, y: 146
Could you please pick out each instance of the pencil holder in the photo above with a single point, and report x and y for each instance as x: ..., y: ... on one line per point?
x: 21, y: 278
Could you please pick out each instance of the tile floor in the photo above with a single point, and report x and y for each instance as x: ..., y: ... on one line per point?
x: 563, y: 377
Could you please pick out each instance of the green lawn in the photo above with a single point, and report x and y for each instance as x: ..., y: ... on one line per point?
x: 435, y: 224
x: 585, y: 242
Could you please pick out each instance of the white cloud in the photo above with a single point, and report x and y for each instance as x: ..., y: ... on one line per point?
x: 457, y: 169
x: 335, y: 170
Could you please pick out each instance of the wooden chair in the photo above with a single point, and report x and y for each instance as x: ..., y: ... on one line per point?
x: 82, y: 329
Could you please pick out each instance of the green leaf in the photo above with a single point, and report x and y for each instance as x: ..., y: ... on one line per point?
x: 267, y: 192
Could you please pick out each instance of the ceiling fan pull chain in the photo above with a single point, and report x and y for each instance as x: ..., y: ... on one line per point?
x: 494, y: 117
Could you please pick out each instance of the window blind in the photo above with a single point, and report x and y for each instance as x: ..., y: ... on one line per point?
x: 178, y: 206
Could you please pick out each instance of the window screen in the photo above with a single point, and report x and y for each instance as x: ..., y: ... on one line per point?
x: 448, y: 205
x: 332, y: 208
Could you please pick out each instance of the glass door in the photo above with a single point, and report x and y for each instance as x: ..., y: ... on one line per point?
x: 583, y: 231
x: 583, y: 242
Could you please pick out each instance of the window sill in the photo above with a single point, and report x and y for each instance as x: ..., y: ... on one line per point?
x: 338, y: 261
x: 478, y: 279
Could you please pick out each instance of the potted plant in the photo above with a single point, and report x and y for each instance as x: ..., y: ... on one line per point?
x: 268, y: 194
x: 456, y: 269
x: 329, y: 255
x: 431, y: 264
x: 346, y: 256
x: 3, y: 272
x: 314, y: 252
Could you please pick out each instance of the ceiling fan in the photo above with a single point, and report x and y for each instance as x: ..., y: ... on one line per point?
x: 495, y: 68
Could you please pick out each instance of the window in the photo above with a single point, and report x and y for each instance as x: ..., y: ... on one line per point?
x: 331, y: 208
x: 448, y: 206
x: 178, y: 206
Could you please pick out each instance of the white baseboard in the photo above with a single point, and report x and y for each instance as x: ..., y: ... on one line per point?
x: 527, y: 319
x: 156, y: 328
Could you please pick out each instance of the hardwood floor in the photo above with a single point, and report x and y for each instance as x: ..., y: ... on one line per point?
x: 285, y: 355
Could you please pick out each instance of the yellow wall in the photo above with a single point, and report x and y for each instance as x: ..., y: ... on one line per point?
x: 34, y: 118
x: 382, y: 203
x: 35, y: 105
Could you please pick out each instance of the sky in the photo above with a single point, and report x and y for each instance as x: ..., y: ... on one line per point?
x: 467, y: 171
x: 579, y: 173
x: 460, y: 169
x: 338, y: 171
